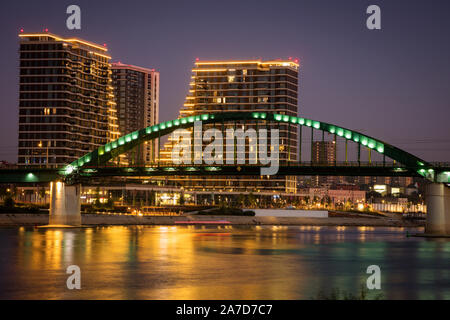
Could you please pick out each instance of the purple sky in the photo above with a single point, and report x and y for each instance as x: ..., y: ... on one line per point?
x: 393, y: 84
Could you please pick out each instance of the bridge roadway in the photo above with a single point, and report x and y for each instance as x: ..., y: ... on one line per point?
x: 65, y: 187
x: 84, y: 174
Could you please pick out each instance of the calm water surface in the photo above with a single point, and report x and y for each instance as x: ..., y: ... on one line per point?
x: 185, y: 262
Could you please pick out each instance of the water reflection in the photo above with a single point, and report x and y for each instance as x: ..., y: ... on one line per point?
x: 225, y: 262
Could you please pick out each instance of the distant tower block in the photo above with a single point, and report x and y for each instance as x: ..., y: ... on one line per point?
x: 136, y: 92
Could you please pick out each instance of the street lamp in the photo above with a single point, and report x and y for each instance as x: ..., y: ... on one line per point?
x: 40, y: 146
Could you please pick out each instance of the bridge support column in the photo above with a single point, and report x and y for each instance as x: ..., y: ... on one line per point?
x: 438, y: 210
x: 65, y: 204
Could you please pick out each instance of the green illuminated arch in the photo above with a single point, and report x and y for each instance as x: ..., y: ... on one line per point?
x: 125, y: 143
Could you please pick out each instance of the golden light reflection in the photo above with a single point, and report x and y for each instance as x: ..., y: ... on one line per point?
x: 53, y: 248
x: 88, y: 235
x: 58, y: 187
x: 184, y: 262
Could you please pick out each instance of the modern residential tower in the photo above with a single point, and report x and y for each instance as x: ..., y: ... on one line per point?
x: 239, y: 86
x: 136, y: 91
x: 324, y: 153
x: 66, y: 106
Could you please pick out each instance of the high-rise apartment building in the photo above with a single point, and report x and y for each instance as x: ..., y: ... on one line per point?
x: 66, y: 106
x: 324, y: 153
x: 136, y: 92
x: 239, y: 86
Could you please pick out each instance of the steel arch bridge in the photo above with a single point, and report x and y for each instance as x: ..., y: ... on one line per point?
x: 94, y: 163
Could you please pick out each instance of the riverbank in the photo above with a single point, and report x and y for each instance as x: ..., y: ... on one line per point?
x: 19, y: 219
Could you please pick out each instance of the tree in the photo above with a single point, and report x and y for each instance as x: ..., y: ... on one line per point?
x: 348, y: 205
x: 182, y: 199
x: 307, y: 199
x: 109, y: 204
x: 373, y: 194
x: 315, y: 199
x: 241, y: 199
x: 12, y: 191
x: 3, y: 191
x: 414, y: 198
x: 41, y: 193
x: 97, y: 193
x: 9, y: 202
x: 152, y: 197
x: 322, y: 201
x: 251, y: 199
x: 329, y: 201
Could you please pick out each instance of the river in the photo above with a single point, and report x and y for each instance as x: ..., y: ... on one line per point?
x: 227, y: 262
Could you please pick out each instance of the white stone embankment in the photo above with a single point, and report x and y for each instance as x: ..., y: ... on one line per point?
x: 101, y: 220
x: 283, y: 213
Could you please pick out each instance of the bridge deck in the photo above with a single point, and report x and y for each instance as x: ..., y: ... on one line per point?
x: 36, y: 175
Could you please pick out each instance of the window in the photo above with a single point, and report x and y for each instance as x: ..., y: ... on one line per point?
x: 263, y: 99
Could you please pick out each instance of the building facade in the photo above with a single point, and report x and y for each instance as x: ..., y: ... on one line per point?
x: 334, y: 195
x: 66, y: 106
x: 324, y: 153
x: 243, y: 86
x: 136, y: 92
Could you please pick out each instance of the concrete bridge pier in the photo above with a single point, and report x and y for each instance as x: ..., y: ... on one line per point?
x: 438, y: 210
x: 65, y: 205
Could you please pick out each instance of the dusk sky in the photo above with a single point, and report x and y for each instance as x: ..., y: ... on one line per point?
x: 392, y: 84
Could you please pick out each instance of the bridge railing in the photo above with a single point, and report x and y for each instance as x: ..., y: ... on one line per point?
x: 282, y: 163
x: 440, y: 164
x: 443, y: 166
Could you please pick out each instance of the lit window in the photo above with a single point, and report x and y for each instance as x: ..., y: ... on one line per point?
x: 263, y: 99
x: 230, y: 78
